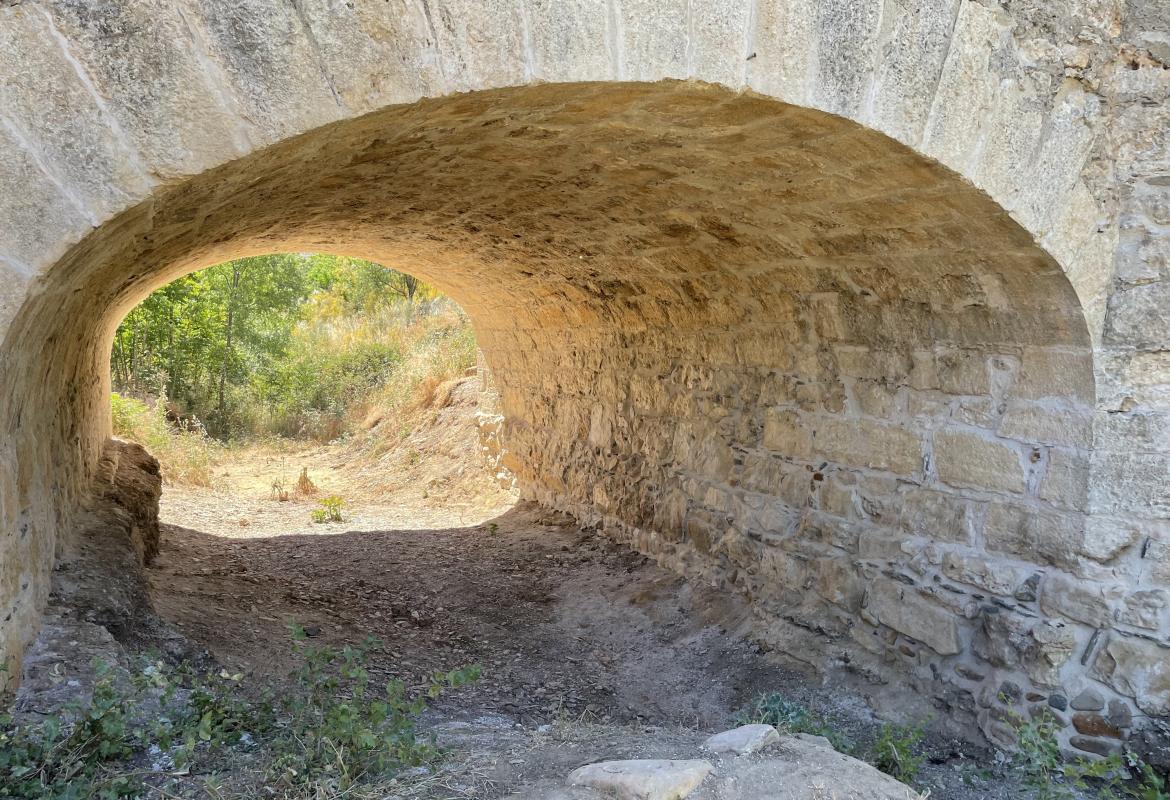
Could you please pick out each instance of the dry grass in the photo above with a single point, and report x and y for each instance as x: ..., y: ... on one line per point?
x: 184, y: 451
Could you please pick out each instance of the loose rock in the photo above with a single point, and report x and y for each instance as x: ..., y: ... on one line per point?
x: 743, y: 740
x: 643, y: 779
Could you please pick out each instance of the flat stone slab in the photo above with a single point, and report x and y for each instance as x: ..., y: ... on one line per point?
x: 743, y: 740
x: 643, y: 779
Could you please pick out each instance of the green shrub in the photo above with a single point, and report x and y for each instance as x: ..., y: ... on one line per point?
x: 184, y: 451
x: 894, y: 751
x: 340, y: 731
x: 64, y: 760
x: 1040, y: 763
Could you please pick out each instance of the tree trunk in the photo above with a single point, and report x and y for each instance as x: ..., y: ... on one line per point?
x: 227, y: 349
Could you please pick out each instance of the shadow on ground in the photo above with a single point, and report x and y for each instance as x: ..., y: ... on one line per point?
x: 563, y: 621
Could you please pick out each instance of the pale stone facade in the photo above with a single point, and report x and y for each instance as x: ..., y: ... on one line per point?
x: 911, y: 395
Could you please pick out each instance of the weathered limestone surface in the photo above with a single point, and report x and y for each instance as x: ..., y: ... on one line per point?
x: 917, y: 410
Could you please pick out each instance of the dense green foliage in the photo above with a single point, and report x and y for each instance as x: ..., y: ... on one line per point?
x: 286, y: 344
x: 331, y: 733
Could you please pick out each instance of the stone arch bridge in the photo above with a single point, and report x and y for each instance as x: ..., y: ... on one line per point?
x: 860, y: 308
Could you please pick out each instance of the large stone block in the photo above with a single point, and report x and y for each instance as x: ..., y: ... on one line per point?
x: 785, y: 50
x: 995, y: 577
x: 1139, y: 316
x: 906, y: 611
x: 1130, y: 483
x: 867, y: 443
x: 840, y: 29
x: 13, y: 284
x: 963, y: 372
x: 1041, y: 537
x: 973, y: 460
x: 1137, y: 668
x: 1079, y: 600
x: 1066, y: 480
x: 271, y: 62
x: 906, y: 78
x: 40, y: 218
x: 377, y: 54
x: 787, y: 434
x: 45, y: 95
x: 481, y: 43
x: 969, y: 84
x: 1055, y: 372
x: 1036, y: 424
x: 718, y: 41
x: 571, y: 40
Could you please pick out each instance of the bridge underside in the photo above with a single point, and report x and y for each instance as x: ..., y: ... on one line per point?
x: 768, y: 346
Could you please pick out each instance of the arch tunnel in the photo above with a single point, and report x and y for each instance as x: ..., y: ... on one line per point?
x: 772, y: 347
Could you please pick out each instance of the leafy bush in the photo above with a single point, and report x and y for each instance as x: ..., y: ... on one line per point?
x: 293, y: 345
x: 76, y: 759
x: 1038, y: 759
x: 894, y: 751
x: 339, y: 731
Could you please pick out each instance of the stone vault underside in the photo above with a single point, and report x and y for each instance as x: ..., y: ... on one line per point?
x: 770, y: 347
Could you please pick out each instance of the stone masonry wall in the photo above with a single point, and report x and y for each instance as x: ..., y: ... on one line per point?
x: 910, y: 512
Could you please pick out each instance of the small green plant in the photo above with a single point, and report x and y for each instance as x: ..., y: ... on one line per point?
x: 775, y: 709
x: 331, y: 731
x: 1148, y: 784
x: 71, y: 755
x: 894, y: 751
x: 1039, y: 761
x: 493, y: 528
x: 340, y: 730
x: 328, y: 510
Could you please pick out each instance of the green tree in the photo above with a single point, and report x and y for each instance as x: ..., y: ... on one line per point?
x: 277, y: 336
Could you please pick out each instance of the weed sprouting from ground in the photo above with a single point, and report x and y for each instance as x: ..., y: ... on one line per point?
x: 305, y: 486
x: 895, y: 751
x: 341, y: 731
x: 331, y: 734
x: 328, y: 509
x: 1038, y: 758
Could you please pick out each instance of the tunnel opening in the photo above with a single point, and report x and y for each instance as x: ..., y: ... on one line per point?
x: 782, y: 355
x: 282, y: 391
x: 253, y: 377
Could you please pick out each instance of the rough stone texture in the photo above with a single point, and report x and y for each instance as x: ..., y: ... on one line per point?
x: 743, y: 740
x: 800, y: 767
x: 648, y: 779
x: 770, y: 346
x: 130, y: 481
